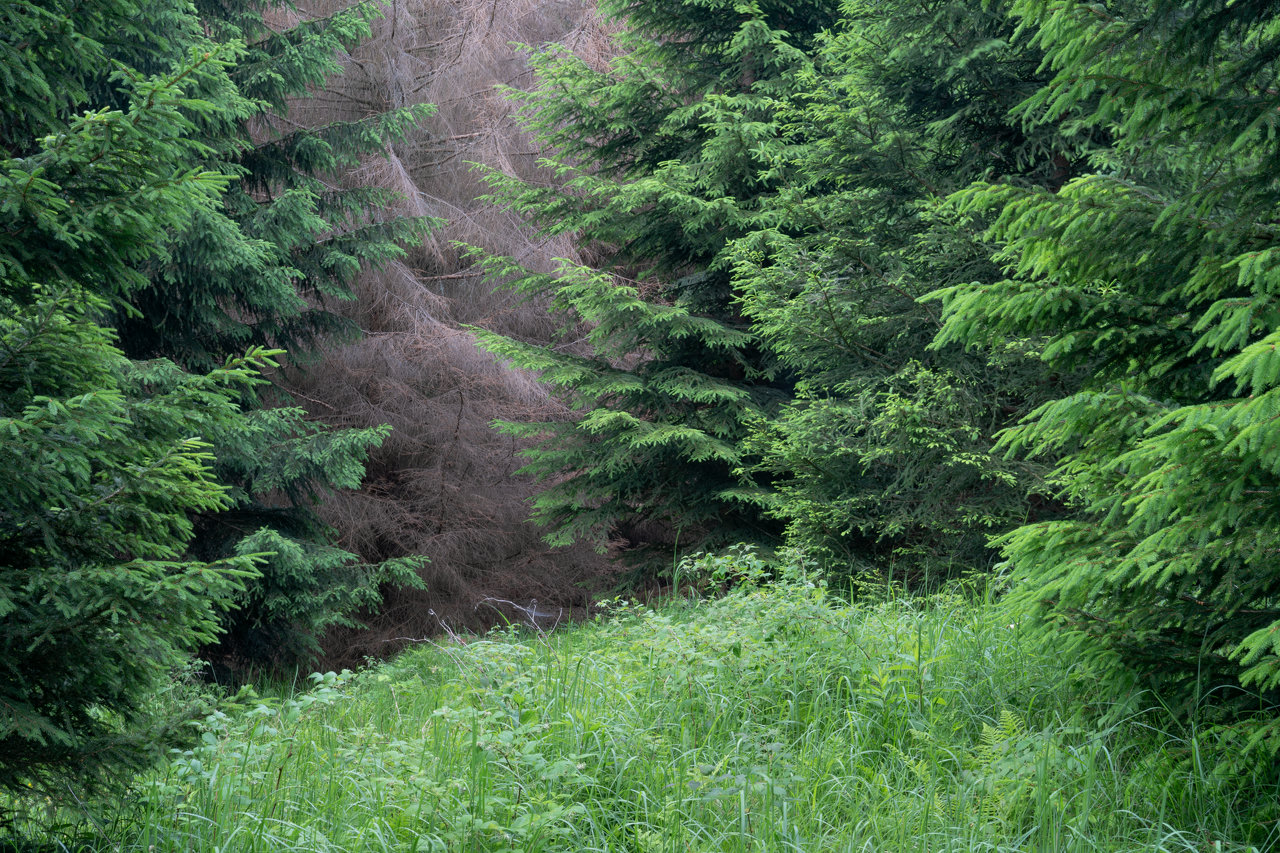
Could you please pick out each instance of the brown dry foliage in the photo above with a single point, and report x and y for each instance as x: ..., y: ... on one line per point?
x: 443, y: 484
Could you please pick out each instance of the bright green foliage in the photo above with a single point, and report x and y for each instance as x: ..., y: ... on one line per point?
x: 82, y: 196
x: 666, y: 156
x: 883, y: 462
x: 772, y: 719
x: 98, y: 603
x: 123, y: 151
x: 1159, y: 269
x: 102, y: 471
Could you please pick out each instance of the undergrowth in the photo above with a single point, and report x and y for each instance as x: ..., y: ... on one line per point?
x: 771, y: 717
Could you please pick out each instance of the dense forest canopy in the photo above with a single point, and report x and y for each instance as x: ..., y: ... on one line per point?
x: 918, y: 290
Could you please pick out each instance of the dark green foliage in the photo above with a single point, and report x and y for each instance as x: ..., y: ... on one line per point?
x: 1159, y: 269
x: 657, y: 439
x: 279, y: 465
x: 123, y: 540
x: 289, y: 237
x: 667, y: 156
x: 102, y: 471
x: 883, y: 462
x: 260, y: 269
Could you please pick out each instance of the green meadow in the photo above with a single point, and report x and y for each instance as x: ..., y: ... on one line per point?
x: 767, y: 718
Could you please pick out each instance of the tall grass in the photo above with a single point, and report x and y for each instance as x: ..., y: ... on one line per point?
x: 770, y: 718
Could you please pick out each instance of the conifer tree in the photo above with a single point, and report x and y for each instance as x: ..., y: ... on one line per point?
x: 1158, y: 270
x: 262, y: 270
x: 664, y: 157
x: 103, y: 460
x: 883, y: 462
x: 290, y: 236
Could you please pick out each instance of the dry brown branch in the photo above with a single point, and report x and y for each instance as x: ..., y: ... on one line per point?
x: 442, y: 485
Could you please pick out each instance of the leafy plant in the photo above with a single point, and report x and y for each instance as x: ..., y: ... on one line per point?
x: 747, y: 722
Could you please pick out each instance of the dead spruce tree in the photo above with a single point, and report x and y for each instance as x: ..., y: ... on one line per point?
x: 441, y: 485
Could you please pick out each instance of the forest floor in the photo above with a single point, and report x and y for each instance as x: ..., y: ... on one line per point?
x: 770, y: 718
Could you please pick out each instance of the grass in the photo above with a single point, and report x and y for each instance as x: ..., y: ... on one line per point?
x: 771, y: 718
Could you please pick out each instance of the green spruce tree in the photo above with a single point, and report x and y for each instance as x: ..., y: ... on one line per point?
x: 883, y: 463
x: 664, y: 157
x: 1158, y: 270
x: 104, y: 465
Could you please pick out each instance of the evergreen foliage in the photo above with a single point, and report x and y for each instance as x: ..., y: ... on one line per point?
x: 98, y: 602
x: 259, y: 270
x: 103, y: 469
x: 664, y: 158
x: 147, y: 474
x: 1158, y: 270
x: 883, y: 461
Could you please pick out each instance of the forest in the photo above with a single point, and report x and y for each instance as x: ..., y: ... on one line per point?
x: 807, y: 407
